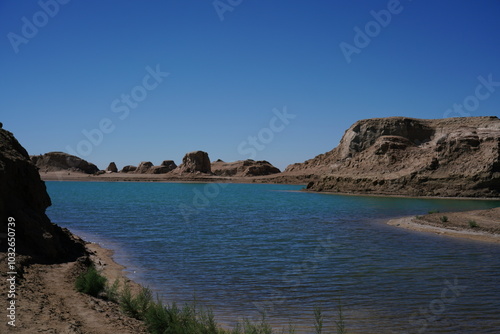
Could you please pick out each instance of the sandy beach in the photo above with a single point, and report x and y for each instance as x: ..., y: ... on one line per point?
x: 456, y: 224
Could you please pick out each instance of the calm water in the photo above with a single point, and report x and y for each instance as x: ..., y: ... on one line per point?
x: 244, y: 248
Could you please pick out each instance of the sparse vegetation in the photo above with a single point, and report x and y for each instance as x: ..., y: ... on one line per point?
x: 91, y: 282
x: 162, y: 318
x: 443, y: 219
x: 433, y: 211
x: 473, y: 224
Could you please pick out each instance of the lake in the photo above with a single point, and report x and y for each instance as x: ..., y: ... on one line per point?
x: 243, y: 249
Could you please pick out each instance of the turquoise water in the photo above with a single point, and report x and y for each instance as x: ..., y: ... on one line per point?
x: 241, y: 248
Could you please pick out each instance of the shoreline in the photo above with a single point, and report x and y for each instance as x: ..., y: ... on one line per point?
x: 457, y: 224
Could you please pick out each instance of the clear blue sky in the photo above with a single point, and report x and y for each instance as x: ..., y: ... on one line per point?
x: 227, y: 76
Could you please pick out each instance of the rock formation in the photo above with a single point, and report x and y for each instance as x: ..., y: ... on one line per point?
x: 415, y: 157
x: 197, y: 161
x: 60, y: 161
x: 165, y: 167
x: 112, y: 168
x: 144, y: 167
x: 23, y: 197
x: 128, y: 169
x: 243, y: 168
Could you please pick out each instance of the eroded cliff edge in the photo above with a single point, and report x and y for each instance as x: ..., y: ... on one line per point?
x: 456, y: 157
x: 23, y: 196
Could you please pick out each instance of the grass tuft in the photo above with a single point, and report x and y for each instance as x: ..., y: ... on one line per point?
x: 91, y: 282
x: 443, y: 219
x: 473, y: 224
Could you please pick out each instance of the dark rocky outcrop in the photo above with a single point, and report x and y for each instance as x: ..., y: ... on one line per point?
x: 193, y: 162
x: 128, y: 169
x: 165, y: 167
x: 243, y: 168
x: 23, y: 196
x: 416, y: 157
x: 144, y: 167
x: 60, y: 161
x: 112, y: 168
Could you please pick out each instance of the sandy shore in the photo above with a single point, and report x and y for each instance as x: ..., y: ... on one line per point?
x: 169, y: 177
x: 456, y: 224
x: 47, y: 301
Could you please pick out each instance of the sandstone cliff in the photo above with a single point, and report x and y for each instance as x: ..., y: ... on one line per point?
x: 243, y: 168
x: 416, y: 157
x: 60, y: 161
x: 23, y: 196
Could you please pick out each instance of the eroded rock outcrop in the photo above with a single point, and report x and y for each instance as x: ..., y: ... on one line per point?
x: 193, y: 162
x: 23, y: 197
x: 112, y: 168
x: 165, y: 167
x: 416, y: 157
x: 60, y: 161
x: 128, y: 169
x: 243, y: 168
x: 144, y: 167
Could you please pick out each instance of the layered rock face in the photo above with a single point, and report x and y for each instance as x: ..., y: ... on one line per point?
x: 243, y: 168
x: 415, y: 157
x: 60, y: 161
x: 23, y: 196
x: 193, y: 162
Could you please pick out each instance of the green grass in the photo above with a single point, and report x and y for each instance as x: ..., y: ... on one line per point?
x: 433, y: 211
x: 443, y: 219
x: 473, y: 224
x: 91, y: 282
x: 162, y: 318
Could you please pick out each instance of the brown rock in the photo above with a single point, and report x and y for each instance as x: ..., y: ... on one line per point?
x: 415, y: 157
x: 144, y: 167
x: 128, y: 169
x: 166, y: 167
x: 23, y: 197
x: 112, y: 168
x: 60, y: 161
x: 243, y: 168
x: 193, y: 162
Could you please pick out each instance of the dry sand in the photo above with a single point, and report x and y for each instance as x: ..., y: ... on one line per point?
x: 457, y: 225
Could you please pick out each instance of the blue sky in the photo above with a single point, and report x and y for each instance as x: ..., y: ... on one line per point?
x: 68, y: 69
